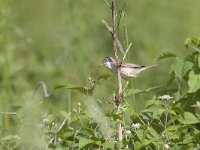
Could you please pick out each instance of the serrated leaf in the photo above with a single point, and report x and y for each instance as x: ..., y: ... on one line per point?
x: 186, y: 67
x: 192, y: 40
x: 188, y: 41
x: 177, y: 67
x: 188, y: 118
x: 164, y: 55
x: 193, y: 43
x: 193, y: 82
x: 181, y: 67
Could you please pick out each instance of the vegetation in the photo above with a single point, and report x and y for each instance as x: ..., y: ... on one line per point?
x: 54, y: 96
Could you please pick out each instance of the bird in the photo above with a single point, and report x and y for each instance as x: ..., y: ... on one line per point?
x: 127, y: 70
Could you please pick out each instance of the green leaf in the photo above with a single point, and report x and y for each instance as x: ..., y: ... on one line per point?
x: 153, y: 134
x: 83, y: 90
x: 173, y: 128
x: 188, y: 118
x: 164, y: 55
x: 140, y: 135
x: 104, y: 76
x: 191, y: 40
x: 151, y: 102
x: 85, y: 142
x: 146, y: 142
x: 188, y: 41
x: 130, y: 92
x: 187, y: 139
x: 198, y: 61
x: 87, y: 90
x: 177, y: 67
x: 186, y: 67
x: 89, y: 131
x: 137, y: 145
x: 152, y: 88
x: 193, y: 82
x: 181, y: 67
x: 109, y: 145
x: 114, y: 116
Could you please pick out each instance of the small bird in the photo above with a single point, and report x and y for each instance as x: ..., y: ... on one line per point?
x: 127, y: 70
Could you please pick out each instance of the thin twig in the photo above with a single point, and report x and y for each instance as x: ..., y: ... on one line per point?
x: 58, y: 130
x: 107, y: 3
x: 63, y: 123
x: 117, y: 41
x: 119, y: 98
x: 195, y: 48
x: 44, y: 89
x: 126, y: 51
x: 8, y: 113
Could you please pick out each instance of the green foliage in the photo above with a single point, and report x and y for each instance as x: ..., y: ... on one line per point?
x: 164, y: 55
x: 63, y: 46
x: 193, y: 82
x: 164, y: 123
x: 88, y: 90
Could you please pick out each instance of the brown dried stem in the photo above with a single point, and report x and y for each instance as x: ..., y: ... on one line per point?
x: 117, y: 41
x: 114, y: 37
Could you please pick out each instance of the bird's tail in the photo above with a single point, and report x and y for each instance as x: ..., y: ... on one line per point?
x: 148, y: 67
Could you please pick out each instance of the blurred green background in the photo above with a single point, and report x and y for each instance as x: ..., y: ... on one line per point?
x: 63, y: 41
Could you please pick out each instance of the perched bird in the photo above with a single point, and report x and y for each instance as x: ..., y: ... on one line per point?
x: 127, y: 70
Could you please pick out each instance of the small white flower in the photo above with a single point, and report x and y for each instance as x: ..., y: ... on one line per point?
x: 17, y: 137
x: 45, y: 120
x: 126, y: 146
x: 59, y: 139
x: 127, y: 132
x: 71, y: 128
x: 198, y: 104
x: 136, y: 125
x: 165, y: 97
x: 166, y: 146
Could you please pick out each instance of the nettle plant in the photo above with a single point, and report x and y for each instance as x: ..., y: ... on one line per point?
x: 170, y: 120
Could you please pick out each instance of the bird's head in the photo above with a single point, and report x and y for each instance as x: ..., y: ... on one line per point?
x: 109, y: 62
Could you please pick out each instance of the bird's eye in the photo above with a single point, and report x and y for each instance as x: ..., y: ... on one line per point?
x: 105, y: 60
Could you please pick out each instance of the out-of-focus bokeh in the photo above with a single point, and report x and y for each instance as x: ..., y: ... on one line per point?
x: 62, y: 43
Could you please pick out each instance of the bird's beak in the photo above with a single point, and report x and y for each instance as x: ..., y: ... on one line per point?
x: 100, y: 65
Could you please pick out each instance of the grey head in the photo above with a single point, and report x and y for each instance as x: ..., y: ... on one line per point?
x: 110, y: 63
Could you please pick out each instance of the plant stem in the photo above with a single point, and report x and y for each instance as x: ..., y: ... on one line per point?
x: 119, y: 98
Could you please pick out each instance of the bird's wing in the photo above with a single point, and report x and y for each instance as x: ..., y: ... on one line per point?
x: 131, y: 65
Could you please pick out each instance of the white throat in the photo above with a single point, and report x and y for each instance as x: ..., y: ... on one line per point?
x: 110, y: 65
